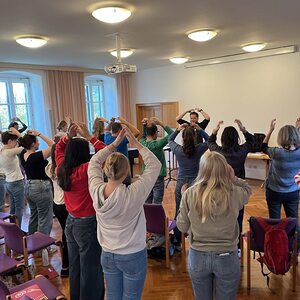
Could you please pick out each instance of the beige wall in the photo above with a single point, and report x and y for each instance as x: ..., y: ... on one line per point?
x: 255, y: 90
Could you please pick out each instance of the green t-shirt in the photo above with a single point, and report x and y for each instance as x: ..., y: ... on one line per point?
x: 156, y: 146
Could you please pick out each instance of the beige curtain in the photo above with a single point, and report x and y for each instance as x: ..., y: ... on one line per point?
x: 123, y: 90
x: 66, y: 96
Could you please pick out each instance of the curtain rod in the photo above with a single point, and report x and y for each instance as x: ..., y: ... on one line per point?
x: 4, y: 65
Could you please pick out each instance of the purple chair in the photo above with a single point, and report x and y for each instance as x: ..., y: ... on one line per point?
x: 255, y: 242
x: 158, y: 223
x: 16, y: 240
x: 7, y: 264
x: 50, y: 291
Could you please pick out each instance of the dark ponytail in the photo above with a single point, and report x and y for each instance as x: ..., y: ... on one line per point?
x: 27, y: 140
x: 77, y: 153
x: 189, y: 141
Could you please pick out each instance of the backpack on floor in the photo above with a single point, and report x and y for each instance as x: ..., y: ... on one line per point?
x: 276, y: 256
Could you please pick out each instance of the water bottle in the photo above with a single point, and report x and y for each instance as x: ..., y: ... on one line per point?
x: 45, y: 257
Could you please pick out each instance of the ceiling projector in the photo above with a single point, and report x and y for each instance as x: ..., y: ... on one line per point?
x: 120, y: 68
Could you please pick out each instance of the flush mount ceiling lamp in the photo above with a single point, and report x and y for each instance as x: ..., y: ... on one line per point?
x: 178, y: 60
x: 111, y: 14
x: 253, y: 47
x: 202, y: 35
x: 31, y: 41
x: 124, y: 52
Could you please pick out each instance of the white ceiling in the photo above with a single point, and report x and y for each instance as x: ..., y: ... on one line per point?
x: 156, y: 29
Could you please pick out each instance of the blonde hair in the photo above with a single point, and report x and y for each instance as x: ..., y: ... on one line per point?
x: 288, y: 136
x: 116, y: 166
x: 212, y: 187
x: 98, y: 127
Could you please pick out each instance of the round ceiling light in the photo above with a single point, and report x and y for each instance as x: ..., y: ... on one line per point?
x: 124, y: 52
x: 178, y: 60
x: 202, y: 35
x: 253, y: 47
x: 111, y: 14
x: 31, y: 41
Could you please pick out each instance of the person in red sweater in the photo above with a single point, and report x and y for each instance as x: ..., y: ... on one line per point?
x: 72, y: 157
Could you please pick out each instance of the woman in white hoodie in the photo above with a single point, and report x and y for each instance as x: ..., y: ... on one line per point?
x: 120, y: 217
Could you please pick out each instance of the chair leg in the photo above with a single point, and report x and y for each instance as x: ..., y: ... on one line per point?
x: 25, y: 253
x: 183, y: 253
x: 294, y: 261
x: 248, y: 262
x: 242, y: 249
x: 167, y: 242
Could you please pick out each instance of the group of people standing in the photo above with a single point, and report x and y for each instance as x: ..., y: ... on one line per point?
x: 101, y: 210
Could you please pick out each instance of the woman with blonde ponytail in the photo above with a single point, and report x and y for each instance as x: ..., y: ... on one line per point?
x: 208, y: 212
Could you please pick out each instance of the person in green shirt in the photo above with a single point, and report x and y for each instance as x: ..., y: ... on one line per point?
x: 149, y: 140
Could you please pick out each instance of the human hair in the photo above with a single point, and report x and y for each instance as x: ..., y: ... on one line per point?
x: 189, y: 140
x: 116, y: 166
x: 61, y: 124
x: 6, y: 136
x: 229, y: 138
x: 212, y: 187
x: 77, y: 153
x: 194, y: 113
x: 116, y: 127
x: 27, y: 140
x: 151, y: 129
x: 98, y: 127
x: 53, y: 162
x: 288, y: 136
x: 13, y: 124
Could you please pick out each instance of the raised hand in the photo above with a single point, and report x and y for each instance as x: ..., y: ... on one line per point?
x: 14, y: 131
x: 272, y: 125
x: 183, y: 126
x: 83, y: 130
x: 196, y: 126
x: 240, y: 124
x: 145, y: 121
x: 215, y: 131
x: 297, y: 125
x: 72, y: 130
x: 119, y: 137
x: 33, y: 132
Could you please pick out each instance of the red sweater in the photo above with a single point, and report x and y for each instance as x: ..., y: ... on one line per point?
x: 78, y: 201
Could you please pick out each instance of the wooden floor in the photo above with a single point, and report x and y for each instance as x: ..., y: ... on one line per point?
x: 174, y: 283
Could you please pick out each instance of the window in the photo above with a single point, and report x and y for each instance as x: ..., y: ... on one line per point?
x: 15, y: 100
x: 94, y: 97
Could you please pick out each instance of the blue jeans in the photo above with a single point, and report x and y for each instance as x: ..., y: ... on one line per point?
x: 290, y: 202
x: 40, y: 199
x: 2, y: 192
x: 16, y: 194
x: 124, y: 275
x: 206, y: 267
x: 86, y: 276
x: 157, y: 194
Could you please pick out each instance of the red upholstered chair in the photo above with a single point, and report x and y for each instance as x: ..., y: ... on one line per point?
x: 50, y: 291
x: 255, y: 242
x: 158, y: 223
x: 16, y: 240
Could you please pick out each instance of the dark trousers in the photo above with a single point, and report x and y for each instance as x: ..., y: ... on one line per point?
x: 86, y: 275
x: 61, y: 214
x: 290, y: 202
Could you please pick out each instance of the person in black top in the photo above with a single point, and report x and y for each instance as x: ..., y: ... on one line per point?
x: 234, y: 153
x: 38, y: 187
x: 194, y: 119
x: 14, y: 123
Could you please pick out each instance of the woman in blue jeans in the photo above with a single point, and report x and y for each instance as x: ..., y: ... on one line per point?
x: 188, y: 156
x: 208, y: 213
x: 10, y: 164
x: 281, y: 188
x: 121, y: 218
x: 38, y: 187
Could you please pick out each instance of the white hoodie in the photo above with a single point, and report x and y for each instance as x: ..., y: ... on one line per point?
x: 121, y: 219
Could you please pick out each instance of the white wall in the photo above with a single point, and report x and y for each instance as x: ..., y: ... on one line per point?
x: 255, y: 90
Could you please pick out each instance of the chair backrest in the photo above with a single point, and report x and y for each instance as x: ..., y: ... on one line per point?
x: 155, y: 218
x: 4, y: 291
x: 257, y: 233
x: 13, y: 236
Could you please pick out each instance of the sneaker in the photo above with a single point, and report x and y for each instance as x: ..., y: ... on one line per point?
x: 51, y: 249
x: 239, y: 253
x: 64, y: 273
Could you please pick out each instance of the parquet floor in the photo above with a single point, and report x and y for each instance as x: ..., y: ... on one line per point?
x: 174, y: 283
